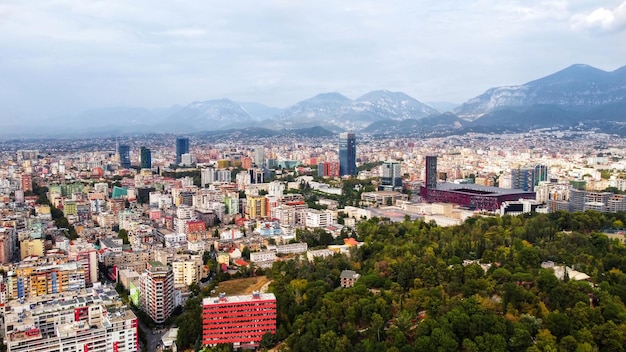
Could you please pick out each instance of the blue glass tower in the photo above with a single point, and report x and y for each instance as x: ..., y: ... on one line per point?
x: 182, y: 147
x: 124, y: 153
x: 347, y: 154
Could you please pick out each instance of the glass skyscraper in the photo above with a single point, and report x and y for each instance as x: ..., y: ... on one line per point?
x: 146, y: 158
x: 347, y: 154
x: 182, y: 147
x: 124, y: 153
x: 431, y: 171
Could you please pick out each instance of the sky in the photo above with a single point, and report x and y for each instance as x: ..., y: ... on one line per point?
x: 61, y: 57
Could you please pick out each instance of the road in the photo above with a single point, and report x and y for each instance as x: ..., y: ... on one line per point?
x: 153, y: 339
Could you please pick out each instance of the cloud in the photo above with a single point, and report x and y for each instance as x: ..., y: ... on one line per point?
x: 601, y: 20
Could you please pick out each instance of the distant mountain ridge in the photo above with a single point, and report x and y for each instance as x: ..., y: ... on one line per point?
x: 579, y: 96
x: 578, y: 87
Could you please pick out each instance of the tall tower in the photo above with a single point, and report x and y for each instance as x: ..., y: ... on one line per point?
x: 157, y: 292
x: 146, y: 158
x: 541, y: 173
x: 391, y: 177
x: 123, y: 151
x: 259, y: 156
x: 182, y: 147
x: 347, y: 154
x: 431, y: 171
x: 523, y: 179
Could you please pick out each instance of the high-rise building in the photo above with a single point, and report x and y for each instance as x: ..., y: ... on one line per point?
x: 124, y: 154
x: 391, y: 176
x: 523, y: 179
x: 240, y: 320
x: 182, y: 147
x: 146, y: 158
x: 431, y: 171
x: 541, y: 173
x: 259, y: 156
x: 347, y: 154
x: 157, y: 292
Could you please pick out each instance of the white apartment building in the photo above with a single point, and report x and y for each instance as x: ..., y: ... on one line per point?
x: 76, y: 322
x: 318, y: 218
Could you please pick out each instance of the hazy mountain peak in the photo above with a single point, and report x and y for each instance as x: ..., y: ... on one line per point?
x: 577, y: 87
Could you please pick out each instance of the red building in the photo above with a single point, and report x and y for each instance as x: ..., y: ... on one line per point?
x: 196, y: 226
x: 240, y: 320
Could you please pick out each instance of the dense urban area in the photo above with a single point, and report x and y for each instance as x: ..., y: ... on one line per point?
x: 162, y: 242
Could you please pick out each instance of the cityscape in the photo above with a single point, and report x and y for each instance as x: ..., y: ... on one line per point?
x: 313, y: 176
x: 163, y: 220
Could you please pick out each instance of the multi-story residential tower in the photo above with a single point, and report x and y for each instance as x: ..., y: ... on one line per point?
x: 146, y: 158
x: 157, y: 292
x: 431, y: 171
x: 182, y: 147
x: 391, y: 176
x: 123, y: 151
x: 240, y: 320
x: 347, y: 154
x: 523, y: 179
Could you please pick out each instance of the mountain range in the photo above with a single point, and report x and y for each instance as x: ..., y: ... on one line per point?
x: 578, y: 96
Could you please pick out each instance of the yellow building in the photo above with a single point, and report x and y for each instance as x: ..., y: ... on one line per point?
x: 223, y: 163
x: 31, y: 247
x: 256, y: 207
x: 69, y: 208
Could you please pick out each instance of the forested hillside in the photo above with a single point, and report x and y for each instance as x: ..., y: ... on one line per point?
x: 415, y: 294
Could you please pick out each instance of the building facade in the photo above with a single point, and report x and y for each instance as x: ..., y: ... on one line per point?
x: 391, y: 179
x: 77, y: 322
x: 240, y: 320
x: 182, y: 147
x: 124, y: 154
x: 157, y: 292
x: 146, y: 158
x: 431, y: 172
x: 347, y: 154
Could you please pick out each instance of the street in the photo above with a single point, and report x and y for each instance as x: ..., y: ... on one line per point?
x: 153, y: 339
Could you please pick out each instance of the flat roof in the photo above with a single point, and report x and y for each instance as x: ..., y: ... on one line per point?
x: 478, y: 189
x: 238, y: 299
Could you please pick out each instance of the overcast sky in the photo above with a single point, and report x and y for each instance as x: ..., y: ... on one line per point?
x: 63, y: 56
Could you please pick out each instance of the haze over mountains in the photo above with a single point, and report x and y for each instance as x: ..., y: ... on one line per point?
x: 579, y: 96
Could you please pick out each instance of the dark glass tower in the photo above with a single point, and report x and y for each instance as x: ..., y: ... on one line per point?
x: 182, y: 147
x: 541, y: 173
x: 123, y: 151
x: 431, y: 172
x: 347, y: 154
x: 146, y: 158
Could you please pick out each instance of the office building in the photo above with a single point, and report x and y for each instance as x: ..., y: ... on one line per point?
x: 182, y: 147
x: 146, y: 158
x: 431, y: 172
x: 123, y: 151
x: 157, y: 292
x: 541, y: 174
x: 523, y: 179
x: 85, y: 321
x: 259, y: 156
x: 391, y: 176
x: 347, y: 154
x: 238, y: 320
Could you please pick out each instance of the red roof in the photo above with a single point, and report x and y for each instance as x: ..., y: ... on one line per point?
x: 241, y: 262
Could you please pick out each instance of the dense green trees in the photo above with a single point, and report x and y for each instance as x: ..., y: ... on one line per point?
x: 416, y: 293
